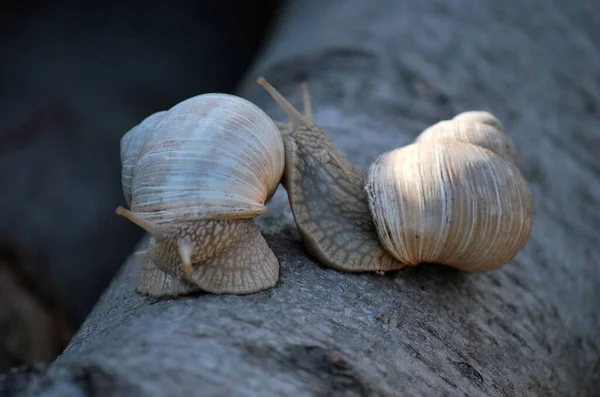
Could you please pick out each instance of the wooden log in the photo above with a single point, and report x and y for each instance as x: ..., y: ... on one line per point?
x: 379, y: 73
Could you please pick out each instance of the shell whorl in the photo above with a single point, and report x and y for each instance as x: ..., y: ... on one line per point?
x: 131, y: 145
x: 450, y: 202
x: 473, y: 127
x: 212, y: 156
x: 481, y: 116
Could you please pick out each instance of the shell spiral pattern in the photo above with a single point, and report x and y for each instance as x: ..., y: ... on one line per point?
x: 454, y: 197
x: 212, y: 156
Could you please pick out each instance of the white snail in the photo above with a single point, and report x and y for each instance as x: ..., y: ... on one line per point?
x: 454, y: 197
x: 194, y: 177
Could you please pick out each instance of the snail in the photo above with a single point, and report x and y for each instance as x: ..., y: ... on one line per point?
x: 455, y: 196
x: 194, y: 177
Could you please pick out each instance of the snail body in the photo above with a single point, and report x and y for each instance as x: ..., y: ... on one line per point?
x: 195, y: 176
x: 327, y: 196
x: 454, y: 197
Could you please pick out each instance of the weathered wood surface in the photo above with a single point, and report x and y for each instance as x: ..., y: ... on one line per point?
x: 379, y: 73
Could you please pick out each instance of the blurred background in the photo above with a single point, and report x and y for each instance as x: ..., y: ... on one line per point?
x: 74, y: 78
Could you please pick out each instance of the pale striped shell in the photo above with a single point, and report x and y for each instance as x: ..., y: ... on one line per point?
x: 213, y: 156
x: 481, y: 116
x: 450, y: 203
x: 131, y: 145
x: 468, y: 129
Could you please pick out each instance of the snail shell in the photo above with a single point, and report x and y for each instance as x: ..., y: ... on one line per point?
x: 213, y: 156
x: 480, y: 116
x: 456, y: 196
x: 449, y: 202
x: 131, y: 145
x: 464, y: 129
x: 194, y: 177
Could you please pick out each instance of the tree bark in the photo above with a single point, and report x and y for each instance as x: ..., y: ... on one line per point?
x: 379, y: 73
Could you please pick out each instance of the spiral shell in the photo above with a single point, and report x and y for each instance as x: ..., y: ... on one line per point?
x: 213, y: 156
x: 449, y: 202
x: 468, y: 129
x: 481, y: 116
x: 131, y: 145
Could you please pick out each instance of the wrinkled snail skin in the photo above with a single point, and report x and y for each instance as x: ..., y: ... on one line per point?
x: 327, y: 197
x: 454, y: 197
x: 194, y: 177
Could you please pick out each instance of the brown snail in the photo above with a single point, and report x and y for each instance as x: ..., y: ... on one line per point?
x: 455, y: 196
x: 194, y: 177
